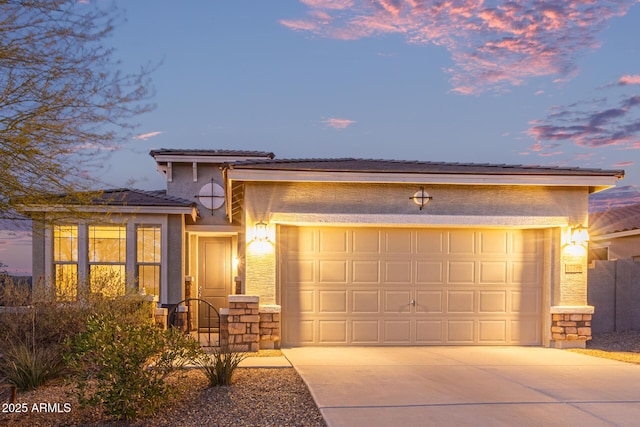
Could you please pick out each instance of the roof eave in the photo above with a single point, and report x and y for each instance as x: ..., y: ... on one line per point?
x: 595, y: 182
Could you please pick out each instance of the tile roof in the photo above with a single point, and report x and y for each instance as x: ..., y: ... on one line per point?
x: 225, y: 153
x: 410, y: 166
x: 615, y: 220
x: 133, y: 197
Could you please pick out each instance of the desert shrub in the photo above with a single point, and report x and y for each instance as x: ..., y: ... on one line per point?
x: 35, y: 326
x: 29, y: 366
x: 220, y: 365
x: 121, y: 367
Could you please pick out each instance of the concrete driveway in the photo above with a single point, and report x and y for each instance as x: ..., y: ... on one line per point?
x: 468, y: 386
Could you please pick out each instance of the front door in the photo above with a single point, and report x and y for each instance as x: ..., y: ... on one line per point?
x: 214, y: 277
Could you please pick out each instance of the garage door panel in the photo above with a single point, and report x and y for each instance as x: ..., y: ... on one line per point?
x: 430, y: 242
x: 332, y: 301
x: 492, y: 301
x: 398, y: 241
x: 494, y: 272
x: 460, y: 332
x: 333, y: 240
x: 492, y: 331
x: 525, y: 332
x: 332, y: 331
x: 526, y: 301
x: 429, y: 301
x: 365, y: 332
x: 300, y: 239
x: 397, y: 271
x: 461, y: 272
x: 366, y: 272
x: 302, y: 271
x: 300, y: 331
x: 460, y: 301
x: 332, y: 271
x: 494, y: 242
x: 384, y: 286
x: 397, y: 301
x: 431, y: 272
x: 429, y: 332
x: 462, y: 242
x: 397, y: 331
x: 300, y: 300
x: 366, y: 241
x: 366, y: 301
x: 525, y: 273
x: 526, y: 244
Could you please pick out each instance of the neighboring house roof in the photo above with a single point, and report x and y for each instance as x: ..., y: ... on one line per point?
x: 624, y: 219
x: 410, y: 166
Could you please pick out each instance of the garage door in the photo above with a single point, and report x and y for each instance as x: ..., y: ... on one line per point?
x: 387, y: 286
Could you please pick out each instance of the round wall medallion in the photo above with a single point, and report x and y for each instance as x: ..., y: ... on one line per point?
x: 211, y: 196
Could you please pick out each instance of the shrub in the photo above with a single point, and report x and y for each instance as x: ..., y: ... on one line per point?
x: 220, y: 365
x: 128, y: 363
x: 29, y: 366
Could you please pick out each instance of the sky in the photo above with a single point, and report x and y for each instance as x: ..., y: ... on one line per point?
x: 515, y: 82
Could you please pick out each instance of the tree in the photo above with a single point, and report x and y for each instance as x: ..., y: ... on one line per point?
x: 64, y: 102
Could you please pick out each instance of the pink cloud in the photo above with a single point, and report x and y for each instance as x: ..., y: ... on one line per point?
x: 629, y: 79
x: 623, y: 164
x: 615, y: 197
x: 145, y: 136
x: 338, y: 123
x: 493, y: 45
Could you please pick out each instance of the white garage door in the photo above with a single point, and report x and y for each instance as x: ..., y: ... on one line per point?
x: 387, y: 286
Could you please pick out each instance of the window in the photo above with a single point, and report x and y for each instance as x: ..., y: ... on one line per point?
x: 65, y: 260
x: 107, y: 258
x: 148, y: 259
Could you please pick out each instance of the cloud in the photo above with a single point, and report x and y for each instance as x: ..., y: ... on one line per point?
x: 493, y: 45
x: 623, y: 164
x: 338, y: 123
x: 615, y: 197
x: 145, y: 136
x: 591, y: 123
x: 629, y: 79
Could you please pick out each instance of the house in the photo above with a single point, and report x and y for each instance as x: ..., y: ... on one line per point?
x: 347, y: 251
x: 615, y: 234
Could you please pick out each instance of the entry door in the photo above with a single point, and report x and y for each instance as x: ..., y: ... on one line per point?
x: 214, y: 276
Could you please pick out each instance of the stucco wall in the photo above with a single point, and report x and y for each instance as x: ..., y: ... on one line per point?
x: 37, y: 251
x: 624, y: 247
x: 570, y: 204
x: 183, y: 186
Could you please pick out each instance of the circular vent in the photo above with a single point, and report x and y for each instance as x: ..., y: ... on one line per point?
x: 211, y: 196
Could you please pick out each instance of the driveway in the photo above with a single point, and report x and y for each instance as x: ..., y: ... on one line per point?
x: 467, y: 386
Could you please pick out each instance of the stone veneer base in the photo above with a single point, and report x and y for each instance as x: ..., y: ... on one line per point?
x: 571, y: 326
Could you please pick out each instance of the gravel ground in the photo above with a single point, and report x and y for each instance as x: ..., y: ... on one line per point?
x: 258, y: 397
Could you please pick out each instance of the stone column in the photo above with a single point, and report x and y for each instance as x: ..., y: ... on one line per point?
x: 270, y: 326
x: 240, y: 324
x: 571, y: 326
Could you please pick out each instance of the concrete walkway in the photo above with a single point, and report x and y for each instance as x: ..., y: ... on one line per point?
x: 468, y: 386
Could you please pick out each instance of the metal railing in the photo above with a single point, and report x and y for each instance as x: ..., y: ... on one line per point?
x: 188, y: 320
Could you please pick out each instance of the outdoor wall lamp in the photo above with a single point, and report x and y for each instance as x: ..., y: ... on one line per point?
x: 260, y: 232
x: 579, y: 235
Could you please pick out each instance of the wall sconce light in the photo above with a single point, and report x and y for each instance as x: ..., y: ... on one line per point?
x: 260, y: 232
x: 579, y: 235
x: 421, y: 198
